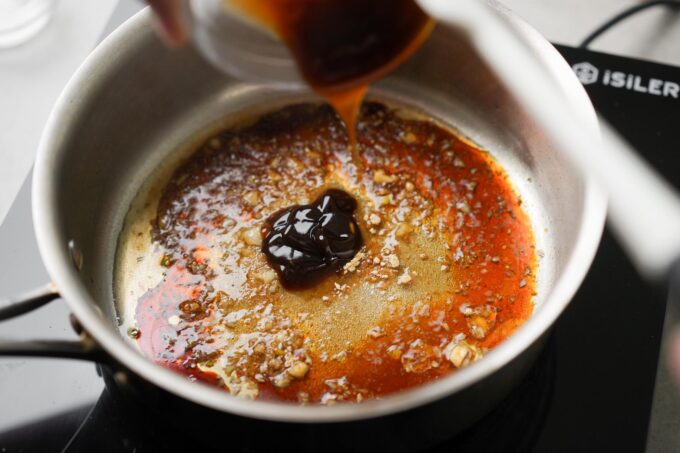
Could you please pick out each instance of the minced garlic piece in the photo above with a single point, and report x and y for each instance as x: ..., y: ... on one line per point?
x: 252, y: 197
x: 265, y: 275
x: 252, y: 236
x: 405, y: 278
x: 461, y: 353
x: 354, y: 263
x: 381, y: 177
x: 241, y: 387
x: 298, y: 370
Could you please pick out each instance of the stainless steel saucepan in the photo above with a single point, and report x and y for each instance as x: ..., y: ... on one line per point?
x: 134, y: 102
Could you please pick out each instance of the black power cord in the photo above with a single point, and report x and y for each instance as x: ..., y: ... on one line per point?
x: 624, y: 15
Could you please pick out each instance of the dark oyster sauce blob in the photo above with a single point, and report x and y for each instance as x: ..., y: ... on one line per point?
x: 306, y: 243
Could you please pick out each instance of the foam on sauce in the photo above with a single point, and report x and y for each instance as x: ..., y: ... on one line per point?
x: 446, y: 270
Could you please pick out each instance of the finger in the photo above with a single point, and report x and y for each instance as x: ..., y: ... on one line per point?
x: 169, y: 20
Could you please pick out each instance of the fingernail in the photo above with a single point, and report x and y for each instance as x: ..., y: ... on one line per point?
x: 171, y: 38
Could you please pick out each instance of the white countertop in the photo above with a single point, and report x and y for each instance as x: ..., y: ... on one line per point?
x: 32, y: 76
x: 653, y: 34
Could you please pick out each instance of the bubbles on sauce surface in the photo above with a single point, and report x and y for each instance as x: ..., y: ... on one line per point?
x: 305, y: 243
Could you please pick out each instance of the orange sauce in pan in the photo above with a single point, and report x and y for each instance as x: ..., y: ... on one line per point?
x: 446, y: 272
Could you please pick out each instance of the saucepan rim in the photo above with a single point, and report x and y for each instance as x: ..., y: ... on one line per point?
x: 54, y: 250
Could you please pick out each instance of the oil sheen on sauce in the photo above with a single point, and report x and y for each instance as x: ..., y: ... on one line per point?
x: 445, y: 269
x: 342, y: 46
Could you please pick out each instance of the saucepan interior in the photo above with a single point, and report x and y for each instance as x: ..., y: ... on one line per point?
x: 134, y: 104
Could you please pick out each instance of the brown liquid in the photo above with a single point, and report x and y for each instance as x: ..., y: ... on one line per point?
x: 341, y: 46
x: 447, y: 266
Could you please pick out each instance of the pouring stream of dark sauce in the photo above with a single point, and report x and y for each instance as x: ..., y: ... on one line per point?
x: 341, y: 46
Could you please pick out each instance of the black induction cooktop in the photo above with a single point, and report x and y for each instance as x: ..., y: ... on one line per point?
x: 591, y: 390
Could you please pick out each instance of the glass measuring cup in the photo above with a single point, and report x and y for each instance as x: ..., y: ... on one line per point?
x: 239, y: 46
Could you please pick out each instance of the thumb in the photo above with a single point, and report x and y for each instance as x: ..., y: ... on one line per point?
x: 169, y: 21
